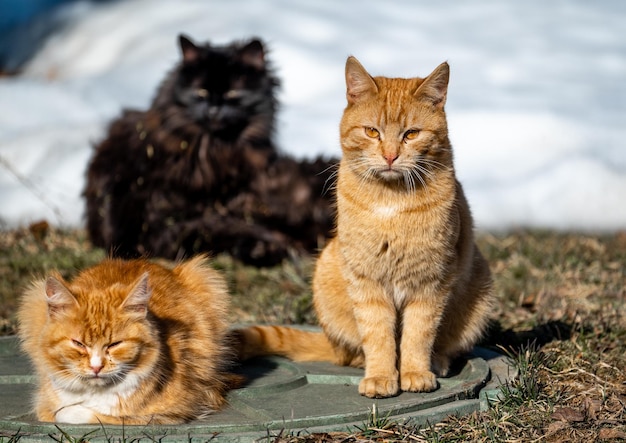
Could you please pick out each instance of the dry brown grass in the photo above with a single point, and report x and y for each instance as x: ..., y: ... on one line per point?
x: 560, y: 315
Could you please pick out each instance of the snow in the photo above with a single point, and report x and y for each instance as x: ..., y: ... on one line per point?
x: 536, y: 104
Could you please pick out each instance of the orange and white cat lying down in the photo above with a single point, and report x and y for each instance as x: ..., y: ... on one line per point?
x: 129, y: 342
x: 402, y: 289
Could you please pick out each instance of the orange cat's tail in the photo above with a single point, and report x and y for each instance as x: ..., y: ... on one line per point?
x: 295, y: 344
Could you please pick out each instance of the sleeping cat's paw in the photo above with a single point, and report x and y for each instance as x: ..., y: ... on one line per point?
x: 379, y: 387
x: 422, y: 381
x: 75, y: 414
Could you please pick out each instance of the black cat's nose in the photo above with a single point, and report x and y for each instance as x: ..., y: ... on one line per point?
x: 213, y: 111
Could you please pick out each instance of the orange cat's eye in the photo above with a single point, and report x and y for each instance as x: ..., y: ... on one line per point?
x: 411, y: 134
x: 112, y: 345
x: 78, y: 344
x: 372, y: 132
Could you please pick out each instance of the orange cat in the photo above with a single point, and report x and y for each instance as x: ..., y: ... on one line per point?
x: 402, y: 289
x: 128, y: 342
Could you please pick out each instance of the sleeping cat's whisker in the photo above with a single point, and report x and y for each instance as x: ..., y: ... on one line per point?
x: 64, y: 373
x: 69, y: 380
x: 64, y: 376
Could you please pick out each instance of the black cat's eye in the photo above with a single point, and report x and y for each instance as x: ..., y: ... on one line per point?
x: 202, y: 93
x: 411, y: 134
x: 233, y: 94
x: 78, y: 344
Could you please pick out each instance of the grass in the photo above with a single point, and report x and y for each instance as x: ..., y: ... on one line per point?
x: 30, y: 253
x: 560, y: 317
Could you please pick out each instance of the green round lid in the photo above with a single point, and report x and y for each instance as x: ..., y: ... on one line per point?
x: 280, y: 396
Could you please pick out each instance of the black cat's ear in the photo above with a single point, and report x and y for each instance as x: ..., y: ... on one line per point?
x: 359, y: 83
x: 58, y: 296
x: 137, y: 300
x: 253, y: 54
x: 434, y: 88
x: 191, y: 53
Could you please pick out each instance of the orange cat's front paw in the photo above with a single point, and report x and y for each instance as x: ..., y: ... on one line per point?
x: 378, y: 387
x: 423, y: 381
x: 75, y: 414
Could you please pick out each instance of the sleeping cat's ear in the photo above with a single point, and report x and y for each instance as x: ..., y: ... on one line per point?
x: 58, y: 296
x: 359, y: 83
x: 435, y: 86
x: 137, y: 300
x: 253, y: 54
x: 191, y: 53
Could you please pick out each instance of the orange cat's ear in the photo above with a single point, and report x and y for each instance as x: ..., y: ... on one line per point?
x: 435, y: 86
x: 58, y: 296
x: 137, y: 300
x: 359, y: 83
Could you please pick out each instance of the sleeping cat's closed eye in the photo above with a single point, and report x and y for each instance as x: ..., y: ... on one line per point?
x: 78, y: 344
x: 114, y: 344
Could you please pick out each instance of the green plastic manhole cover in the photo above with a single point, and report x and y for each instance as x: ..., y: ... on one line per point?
x: 280, y: 396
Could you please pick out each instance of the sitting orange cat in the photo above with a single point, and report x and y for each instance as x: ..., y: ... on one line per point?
x: 128, y: 342
x: 402, y: 289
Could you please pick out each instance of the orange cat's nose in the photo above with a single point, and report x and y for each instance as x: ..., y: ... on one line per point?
x: 390, y: 157
x: 96, y: 363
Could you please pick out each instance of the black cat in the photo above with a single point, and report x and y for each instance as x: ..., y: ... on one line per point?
x: 198, y: 171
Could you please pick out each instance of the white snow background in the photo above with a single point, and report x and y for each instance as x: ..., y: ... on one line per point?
x: 536, y: 103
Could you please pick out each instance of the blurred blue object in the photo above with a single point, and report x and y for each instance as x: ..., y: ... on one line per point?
x: 15, y: 13
x: 24, y: 25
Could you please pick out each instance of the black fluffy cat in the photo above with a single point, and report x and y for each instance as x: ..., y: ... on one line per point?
x: 198, y: 170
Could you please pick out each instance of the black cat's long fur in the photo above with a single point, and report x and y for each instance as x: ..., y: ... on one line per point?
x: 198, y: 170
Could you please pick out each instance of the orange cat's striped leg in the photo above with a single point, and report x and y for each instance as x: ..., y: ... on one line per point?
x: 376, y: 320
x: 419, y: 328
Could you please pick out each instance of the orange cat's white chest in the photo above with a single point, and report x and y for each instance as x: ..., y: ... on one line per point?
x: 385, y: 210
x: 80, y: 407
